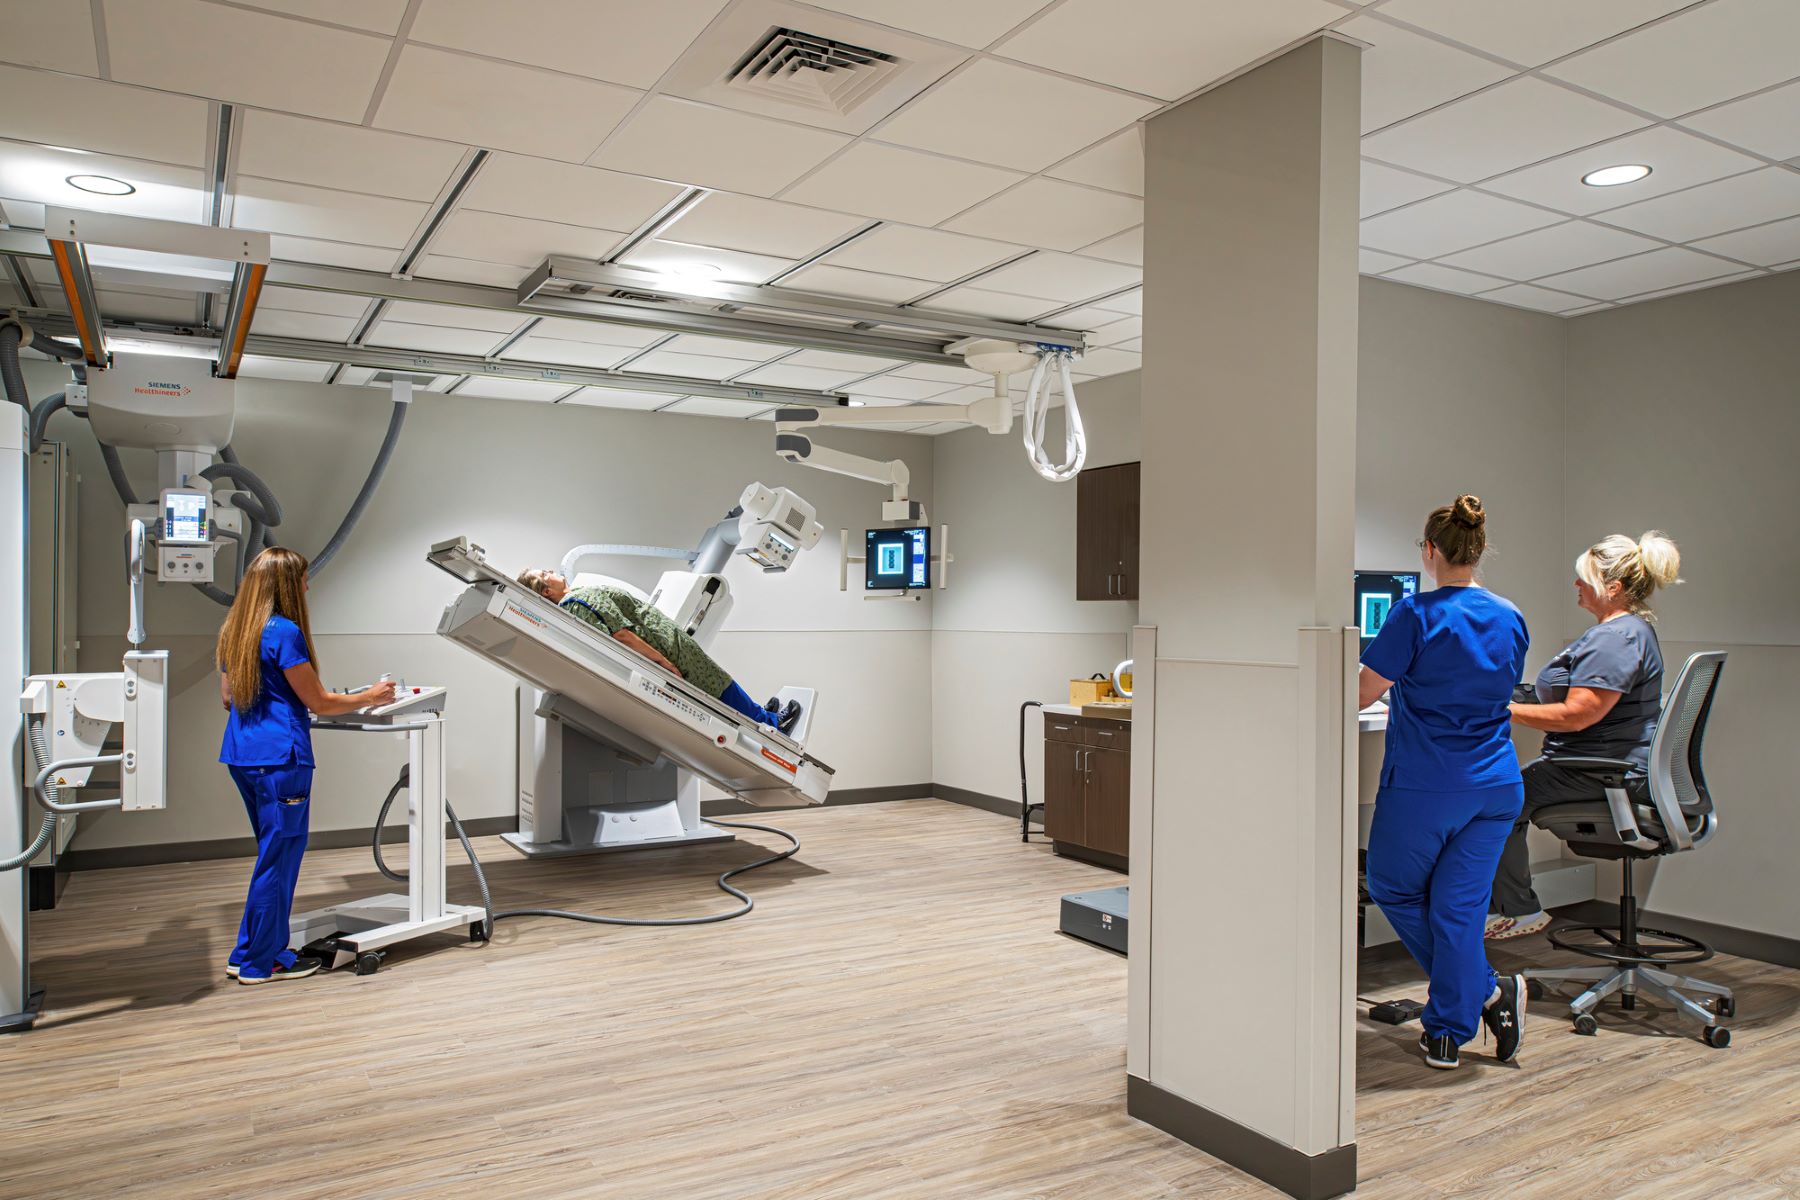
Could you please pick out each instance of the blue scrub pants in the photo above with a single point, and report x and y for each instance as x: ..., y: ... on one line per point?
x: 738, y: 699
x: 278, y: 800
x: 1431, y: 869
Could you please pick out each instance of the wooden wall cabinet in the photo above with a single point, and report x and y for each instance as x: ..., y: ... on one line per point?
x: 1106, y: 533
x: 1087, y: 788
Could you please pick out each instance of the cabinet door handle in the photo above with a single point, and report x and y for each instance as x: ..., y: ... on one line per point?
x: 1109, y: 585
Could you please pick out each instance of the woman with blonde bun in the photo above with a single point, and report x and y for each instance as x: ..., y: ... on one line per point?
x: 1599, y: 698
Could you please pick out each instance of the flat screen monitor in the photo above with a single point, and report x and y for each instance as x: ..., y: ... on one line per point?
x: 897, y: 559
x: 184, y: 517
x: 1376, y: 594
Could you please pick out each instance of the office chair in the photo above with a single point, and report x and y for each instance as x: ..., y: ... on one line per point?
x: 1678, y: 817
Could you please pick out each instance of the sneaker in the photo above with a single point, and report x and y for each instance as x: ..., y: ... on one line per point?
x: 302, y: 967
x: 1505, y: 1018
x: 1440, y: 1051
x: 790, y: 717
x: 231, y: 970
x: 1502, y: 928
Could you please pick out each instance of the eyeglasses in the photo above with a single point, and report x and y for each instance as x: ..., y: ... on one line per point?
x: 1421, y: 543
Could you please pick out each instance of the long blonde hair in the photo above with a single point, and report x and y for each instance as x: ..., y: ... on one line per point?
x: 274, y: 585
x: 1639, y: 567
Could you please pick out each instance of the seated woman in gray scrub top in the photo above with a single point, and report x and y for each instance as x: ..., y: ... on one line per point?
x: 1600, y: 697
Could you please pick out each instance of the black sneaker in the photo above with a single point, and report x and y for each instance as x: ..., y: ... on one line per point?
x: 790, y: 716
x: 303, y: 966
x: 773, y: 704
x: 1440, y: 1051
x: 1505, y: 1018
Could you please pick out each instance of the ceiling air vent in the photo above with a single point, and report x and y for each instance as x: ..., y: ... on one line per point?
x: 804, y: 70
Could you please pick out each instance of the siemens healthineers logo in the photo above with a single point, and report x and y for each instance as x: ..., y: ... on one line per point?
x: 156, y: 387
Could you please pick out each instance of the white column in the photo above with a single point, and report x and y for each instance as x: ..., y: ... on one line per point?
x: 1243, y: 899
x: 15, y: 805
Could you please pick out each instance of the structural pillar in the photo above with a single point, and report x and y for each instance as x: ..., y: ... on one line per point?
x: 1243, y: 884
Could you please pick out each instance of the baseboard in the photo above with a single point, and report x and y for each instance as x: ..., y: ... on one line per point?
x: 728, y: 807
x: 981, y: 800
x: 156, y: 854
x: 1306, y: 1176
x: 1769, y: 948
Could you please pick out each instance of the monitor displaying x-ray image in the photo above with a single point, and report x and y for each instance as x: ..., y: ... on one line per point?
x: 1376, y: 594
x: 897, y: 559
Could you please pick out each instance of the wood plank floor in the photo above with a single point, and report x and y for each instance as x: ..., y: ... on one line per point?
x: 898, y: 1018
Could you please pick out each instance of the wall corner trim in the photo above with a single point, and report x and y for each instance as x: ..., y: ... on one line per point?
x: 1304, y: 1176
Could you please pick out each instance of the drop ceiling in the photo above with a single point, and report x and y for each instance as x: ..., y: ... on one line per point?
x: 1003, y: 178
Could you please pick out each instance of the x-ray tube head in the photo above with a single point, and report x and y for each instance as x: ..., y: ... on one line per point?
x: 776, y: 525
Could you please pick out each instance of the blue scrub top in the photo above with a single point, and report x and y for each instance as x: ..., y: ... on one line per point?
x: 1454, y: 655
x: 277, y: 730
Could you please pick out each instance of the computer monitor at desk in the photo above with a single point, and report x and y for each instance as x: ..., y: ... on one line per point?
x: 1376, y: 594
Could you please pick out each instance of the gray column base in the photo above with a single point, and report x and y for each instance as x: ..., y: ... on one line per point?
x: 1305, y: 1176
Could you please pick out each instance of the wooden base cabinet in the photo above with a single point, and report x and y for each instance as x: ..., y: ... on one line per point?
x: 1087, y: 788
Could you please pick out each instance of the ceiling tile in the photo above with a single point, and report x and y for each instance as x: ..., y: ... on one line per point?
x: 57, y: 35
x: 1692, y: 287
x: 330, y: 254
x: 1165, y: 48
x: 737, y: 349
x: 570, y: 330
x: 245, y: 57
x: 1548, y: 251
x: 1374, y: 262
x: 761, y: 226
x: 432, y: 338
x: 85, y: 114
x: 1051, y: 214
x: 1768, y: 124
x: 480, y: 102
x: 899, y: 185
x: 696, y: 366
x: 1444, y: 224
x: 1385, y: 187
x: 1524, y: 295
x: 1445, y: 279
x: 714, y: 147
x: 1404, y: 73
x: 995, y: 112
x: 376, y: 16
x: 1117, y: 164
x: 1706, y: 55
x: 347, y: 157
x: 568, y: 193
x: 468, y: 270
x: 1717, y: 207
x: 599, y: 397
x: 39, y: 174
x: 982, y: 303
x: 493, y: 387
x: 709, y: 406
x: 1127, y: 247
x: 1501, y: 129
x: 1087, y: 318
x: 1676, y: 160
x: 624, y: 41
x: 1109, y: 362
x: 1765, y: 245
x: 828, y: 280
x: 450, y: 316
x: 956, y: 21
x: 832, y: 360
x: 275, y: 322
x: 1669, y: 267
x: 944, y: 373
x: 783, y: 374
x: 1135, y: 345
x: 490, y: 237
x: 920, y: 253
x: 257, y: 366
x: 734, y: 265
x: 1127, y: 302
x: 149, y: 305
x: 301, y: 211
x: 1061, y: 277
x: 332, y: 304
x: 896, y: 387
x: 1119, y: 332
x: 1528, y: 32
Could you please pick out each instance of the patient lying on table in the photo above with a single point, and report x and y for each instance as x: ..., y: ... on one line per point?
x: 653, y: 635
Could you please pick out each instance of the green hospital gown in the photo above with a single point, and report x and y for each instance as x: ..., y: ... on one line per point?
x: 613, y: 609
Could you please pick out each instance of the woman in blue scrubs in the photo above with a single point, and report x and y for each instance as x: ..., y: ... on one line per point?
x: 1450, y: 785
x: 268, y: 680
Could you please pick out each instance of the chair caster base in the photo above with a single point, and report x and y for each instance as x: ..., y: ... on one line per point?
x: 1716, y: 1036
x: 1586, y: 1025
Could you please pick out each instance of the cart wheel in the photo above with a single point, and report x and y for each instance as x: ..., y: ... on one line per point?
x: 1534, y: 989
x: 1586, y: 1025
x: 478, y: 931
x: 368, y: 962
x: 1716, y: 1036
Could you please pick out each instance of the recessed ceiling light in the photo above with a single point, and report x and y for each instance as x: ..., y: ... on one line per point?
x: 1614, y: 176
x: 100, y: 185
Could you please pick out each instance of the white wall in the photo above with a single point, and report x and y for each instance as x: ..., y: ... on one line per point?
x: 527, y: 481
x: 1683, y: 416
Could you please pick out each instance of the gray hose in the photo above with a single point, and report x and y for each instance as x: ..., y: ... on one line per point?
x: 48, y: 407
x: 47, y: 829
x: 116, y: 471
x: 264, y: 507
x: 10, y: 375
x: 395, y: 420
x: 487, y: 899
x: 55, y: 349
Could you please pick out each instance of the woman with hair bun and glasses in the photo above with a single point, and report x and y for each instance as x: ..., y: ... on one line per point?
x: 1599, y: 698
x: 1450, y: 790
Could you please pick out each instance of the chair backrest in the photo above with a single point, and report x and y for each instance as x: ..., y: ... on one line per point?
x: 1675, y: 771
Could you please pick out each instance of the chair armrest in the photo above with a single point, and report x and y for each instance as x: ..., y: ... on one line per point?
x: 1595, y: 766
x: 1610, y: 774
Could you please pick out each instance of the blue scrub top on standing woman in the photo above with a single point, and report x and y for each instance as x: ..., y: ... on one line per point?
x: 277, y: 731
x: 1453, y: 654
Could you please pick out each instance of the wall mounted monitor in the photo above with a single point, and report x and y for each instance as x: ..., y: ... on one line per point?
x: 897, y: 559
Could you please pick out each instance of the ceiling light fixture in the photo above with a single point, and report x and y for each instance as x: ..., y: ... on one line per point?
x: 1614, y: 176
x: 100, y: 185
x: 694, y: 270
